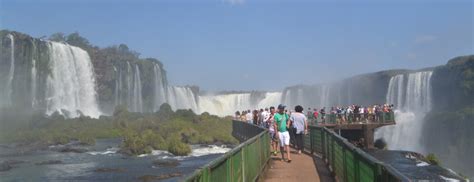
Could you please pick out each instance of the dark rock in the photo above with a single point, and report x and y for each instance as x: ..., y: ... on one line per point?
x: 166, y: 163
x: 14, y: 162
x: 109, y: 170
x: 5, y: 166
x: 50, y: 162
x: 160, y: 177
x: 73, y: 150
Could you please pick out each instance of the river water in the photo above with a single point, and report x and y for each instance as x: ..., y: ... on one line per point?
x: 101, y: 162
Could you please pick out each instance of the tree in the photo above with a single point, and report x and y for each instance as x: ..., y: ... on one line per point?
x: 77, y: 40
x: 58, y: 37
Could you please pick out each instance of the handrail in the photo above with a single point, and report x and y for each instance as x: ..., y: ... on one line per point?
x: 348, y: 162
x: 247, y: 161
x: 244, y: 162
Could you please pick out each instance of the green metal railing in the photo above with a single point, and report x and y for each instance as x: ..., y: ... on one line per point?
x: 243, y: 163
x: 348, y: 162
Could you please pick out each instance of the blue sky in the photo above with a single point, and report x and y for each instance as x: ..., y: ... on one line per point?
x: 258, y: 44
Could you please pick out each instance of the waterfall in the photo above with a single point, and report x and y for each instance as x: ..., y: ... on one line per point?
x: 227, y: 104
x: 129, y: 77
x: 159, y: 87
x: 137, y: 91
x: 324, y: 96
x: 11, y: 73
x: 395, y: 91
x: 71, y: 83
x: 116, y: 90
x: 182, y: 98
x: 416, y: 94
x: 33, y: 83
x: 271, y: 99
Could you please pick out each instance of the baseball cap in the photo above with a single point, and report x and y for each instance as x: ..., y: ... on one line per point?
x: 281, y: 106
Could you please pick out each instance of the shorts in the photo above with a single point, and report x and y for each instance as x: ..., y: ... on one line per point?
x: 284, y: 138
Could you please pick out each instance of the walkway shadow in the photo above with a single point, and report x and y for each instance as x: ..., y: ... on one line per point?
x: 323, y: 170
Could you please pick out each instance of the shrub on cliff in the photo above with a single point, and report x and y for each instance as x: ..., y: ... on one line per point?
x: 177, y: 147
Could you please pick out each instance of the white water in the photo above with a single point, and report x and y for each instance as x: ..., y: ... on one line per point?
x: 117, y: 88
x: 182, y: 98
x: 227, y: 104
x: 33, y: 83
x: 159, y: 87
x: 395, y: 91
x: 137, y: 91
x: 416, y: 94
x: 129, y: 77
x: 71, y: 84
x: 11, y: 73
x: 196, y: 151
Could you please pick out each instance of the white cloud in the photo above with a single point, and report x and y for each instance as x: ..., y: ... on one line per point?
x: 234, y: 2
x: 424, y: 39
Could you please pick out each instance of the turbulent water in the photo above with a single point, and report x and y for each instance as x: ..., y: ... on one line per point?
x: 412, y: 98
x: 71, y: 84
x: 93, y: 163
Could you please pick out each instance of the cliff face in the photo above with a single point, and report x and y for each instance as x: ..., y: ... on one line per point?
x: 119, y: 75
x: 448, y: 128
x: 453, y: 84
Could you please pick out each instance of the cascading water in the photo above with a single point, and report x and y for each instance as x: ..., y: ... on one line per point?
x: 227, y: 104
x: 395, y: 91
x: 182, y: 98
x: 416, y: 95
x: 159, y: 87
x: 117, y: 88
x: 11, y: 73
x: 33, y: 83
x: 324, y: 96
x: 129, y: 77
x: 71, y: 83
x: 137, y: 91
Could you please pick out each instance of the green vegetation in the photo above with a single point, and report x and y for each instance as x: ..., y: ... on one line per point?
x: 141, y: 133
x: 432, y: 159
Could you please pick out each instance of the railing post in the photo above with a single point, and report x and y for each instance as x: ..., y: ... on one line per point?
x: 311, y: 133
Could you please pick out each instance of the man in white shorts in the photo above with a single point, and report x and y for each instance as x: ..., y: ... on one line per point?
x: 282, y: 124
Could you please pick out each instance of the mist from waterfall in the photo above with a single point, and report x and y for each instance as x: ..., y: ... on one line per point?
x: 71, y: 83
x: 412, y: 99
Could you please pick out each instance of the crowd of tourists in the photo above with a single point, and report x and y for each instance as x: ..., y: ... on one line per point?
x: 352, y: 113
x: 284, y: 125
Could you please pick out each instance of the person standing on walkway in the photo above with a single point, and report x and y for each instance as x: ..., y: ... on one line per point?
x: 281, y: 124
x: 249, y: 117
x: 265, y: 117
x: 271, y: 128
x: 300, y: 127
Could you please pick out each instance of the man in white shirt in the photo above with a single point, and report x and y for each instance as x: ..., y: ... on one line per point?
x: 249, y: 117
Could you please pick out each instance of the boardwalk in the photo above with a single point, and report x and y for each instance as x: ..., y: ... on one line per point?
x: 303, y: 167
